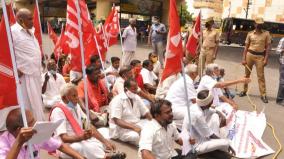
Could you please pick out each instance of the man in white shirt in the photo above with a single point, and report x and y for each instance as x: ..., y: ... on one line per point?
x: 150, y: 79
x: 126, y: 112
x: 209, y: 82
x: 90, y: 143
x: 158, y: 136
x: 206, y: 123
x: 112, y: 70
x: 52, y: 82
x: 176, y: 94
x: 129, y: 39
x: 28, y: 60
x: 125, y: 73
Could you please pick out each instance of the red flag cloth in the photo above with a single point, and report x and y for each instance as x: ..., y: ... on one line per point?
x: 8, y: 92
x: 71, y: 36
x: 102, y: 42
x: 37, y: 28
x: 11, y: 14
x: 60, y: 46
x: 174, y: 44
x: 193, y: 39
x: 52, y: 34
x: 111, y: 27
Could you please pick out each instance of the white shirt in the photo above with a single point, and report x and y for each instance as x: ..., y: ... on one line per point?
x: 65, y: 127
x: 27, y: 50
x: 111, y: 78
x: 118, y: 86
x: 176, y: 94
x: 158, y: 140
x: 149, y: 77
x: 200, y: 130
x: 164, y: 86
x: 53, y: 86
x: 121, y: 108
x: 207, y: 82
x: 130, y: 39
x: 157, y: 67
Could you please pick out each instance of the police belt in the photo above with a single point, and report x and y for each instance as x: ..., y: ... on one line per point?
x: 256, y: 53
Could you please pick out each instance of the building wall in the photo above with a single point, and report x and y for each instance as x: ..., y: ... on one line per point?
x: 209, y: 8
x: 270, y: 10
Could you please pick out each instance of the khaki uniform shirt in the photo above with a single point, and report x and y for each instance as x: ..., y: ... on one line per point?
x: 210, y: 38
x: 258, y: 41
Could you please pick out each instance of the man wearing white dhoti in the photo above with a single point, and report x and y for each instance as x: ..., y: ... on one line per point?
x: 176, y: 94
x: 89, y: 143
x: 206, y: 123
x: 52, y: 82
x: 28, y: 60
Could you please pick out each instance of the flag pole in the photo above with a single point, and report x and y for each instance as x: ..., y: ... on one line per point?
x: 83, y: 62
x: 187, y: 101
x: 120, y: 36
x: 200, y: 46
x: 101, y: 59
x: 15, y: 71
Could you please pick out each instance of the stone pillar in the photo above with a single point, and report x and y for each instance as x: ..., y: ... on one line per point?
x: 103, y: 9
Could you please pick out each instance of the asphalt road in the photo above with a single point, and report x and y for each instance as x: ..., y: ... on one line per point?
x: 230, y: 59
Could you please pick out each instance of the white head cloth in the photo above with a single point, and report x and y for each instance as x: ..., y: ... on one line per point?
x: 206, y: 101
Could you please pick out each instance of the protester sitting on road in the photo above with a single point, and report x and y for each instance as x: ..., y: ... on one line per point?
x: 159, y: 135
x: 209, y: 82
x: 149, y: 77
x: 142, y: 92
x: 206, y: 123
x: 88, y: 142
x: 176, y: 94
x: 126, y: 112
x: 125, y: 73
x: 52, y: 82
x: 112, y: 70
x: 98, y: 95
x: 14, y: 141
x: 157, y: 65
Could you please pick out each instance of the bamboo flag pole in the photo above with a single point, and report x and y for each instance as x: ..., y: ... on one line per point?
x: 15, y: 71
x: 83, y: 62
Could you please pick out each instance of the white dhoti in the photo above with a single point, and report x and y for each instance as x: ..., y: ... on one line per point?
x: 91, y: 149
x: 127, y: 57
x: 31, y: 90
x: 179, y: 113
x: 131, y: 136
x: 49, y: 101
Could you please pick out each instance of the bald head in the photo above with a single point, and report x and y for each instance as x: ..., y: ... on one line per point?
x: 15, y: 122
x: 25, y: 18
x: 51, y: 65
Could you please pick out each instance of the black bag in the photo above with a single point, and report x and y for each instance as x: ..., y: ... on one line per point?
x: 190, y: 155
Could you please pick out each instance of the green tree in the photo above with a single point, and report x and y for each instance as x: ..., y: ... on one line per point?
x: 185, y: 16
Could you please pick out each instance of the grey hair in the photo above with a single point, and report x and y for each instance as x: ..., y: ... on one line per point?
x: 210, y: 68
x: 190, y: 68
x: 65, y: 89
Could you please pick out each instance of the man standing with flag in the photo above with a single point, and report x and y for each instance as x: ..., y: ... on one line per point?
x: 28, y: 59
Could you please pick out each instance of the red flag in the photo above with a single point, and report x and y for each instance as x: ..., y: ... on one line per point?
x: 174, y: 44
x: 193, y: 39
x: 102, y: 42
x: 8, y: 93
x: 71, y: 35
x: 11, y: 14
x: 111, y: 27
x: 60, y: 45
x: 51, y: 33
x: 37, y: 28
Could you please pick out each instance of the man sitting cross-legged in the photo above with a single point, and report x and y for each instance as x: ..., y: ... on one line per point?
x: 89, y: 142
x: 126, y: 111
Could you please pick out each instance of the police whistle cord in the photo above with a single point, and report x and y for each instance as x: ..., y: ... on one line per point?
x: 269, y: 124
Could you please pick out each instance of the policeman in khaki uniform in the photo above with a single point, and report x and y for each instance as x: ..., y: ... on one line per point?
x: 256, y: 53
x: 210, y: 44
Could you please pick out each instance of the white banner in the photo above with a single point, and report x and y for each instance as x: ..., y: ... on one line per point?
x: 245, y: 130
